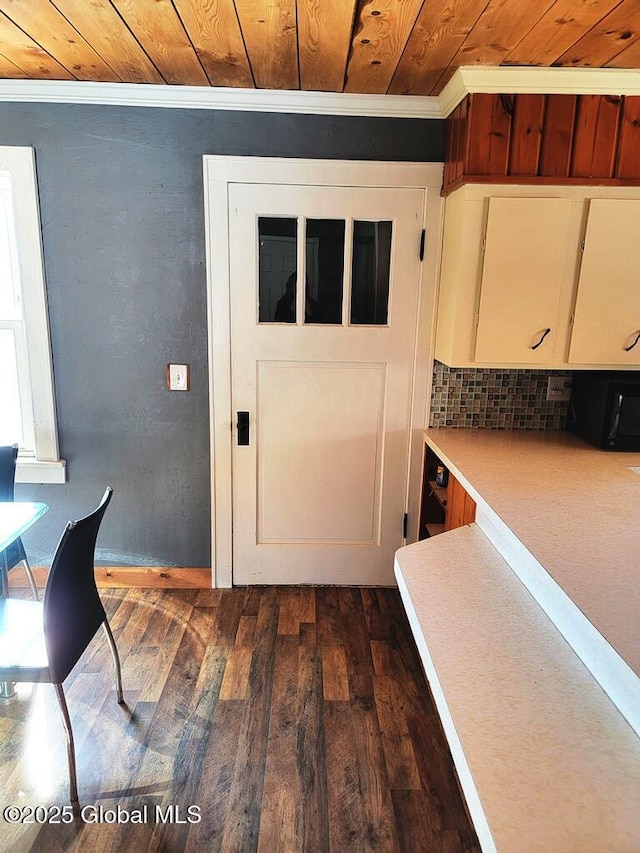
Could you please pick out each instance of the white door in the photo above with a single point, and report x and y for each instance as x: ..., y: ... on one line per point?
x: 323, y: 379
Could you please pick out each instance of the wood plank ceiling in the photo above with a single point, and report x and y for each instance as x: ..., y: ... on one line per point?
x: 408, y: 47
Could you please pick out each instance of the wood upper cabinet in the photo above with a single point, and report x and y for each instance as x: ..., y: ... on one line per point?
x: 513, y: 276
x: 543, y: 139
x: 607, y: 313
x: 525, y: 244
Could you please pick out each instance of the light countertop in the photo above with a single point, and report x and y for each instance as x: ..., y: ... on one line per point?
x: 574, y: 508
x: 545, y: 760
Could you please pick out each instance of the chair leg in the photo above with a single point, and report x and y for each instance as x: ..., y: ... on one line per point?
x: 71, y: 752
x: 32, y: 581
x: 116, y: 660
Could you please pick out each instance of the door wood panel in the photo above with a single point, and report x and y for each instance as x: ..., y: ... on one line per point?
x: 307, y: 492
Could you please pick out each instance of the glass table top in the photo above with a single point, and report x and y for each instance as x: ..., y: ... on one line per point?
x: 16, y: 518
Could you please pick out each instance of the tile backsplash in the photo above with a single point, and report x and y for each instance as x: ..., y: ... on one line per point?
x: 494, y: 399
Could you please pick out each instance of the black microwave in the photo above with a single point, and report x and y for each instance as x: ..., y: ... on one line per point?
x: 605, y: 409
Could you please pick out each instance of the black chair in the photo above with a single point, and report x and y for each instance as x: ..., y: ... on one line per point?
x: 15, y: 553
x: 43, y: 641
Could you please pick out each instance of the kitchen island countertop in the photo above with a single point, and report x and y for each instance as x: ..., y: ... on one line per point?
x: 574, y: 508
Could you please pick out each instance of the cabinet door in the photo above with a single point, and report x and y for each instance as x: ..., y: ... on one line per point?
x: 521, y: 279
x: 461, y: 508
x: 469, y: 513
x: 455, y: 504
x: 607, y: 313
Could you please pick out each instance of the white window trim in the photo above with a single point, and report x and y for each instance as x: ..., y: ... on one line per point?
x: 46, y: 467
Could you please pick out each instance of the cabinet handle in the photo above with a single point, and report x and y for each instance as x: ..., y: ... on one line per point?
x: 544, y: 335
x: 631, y: 346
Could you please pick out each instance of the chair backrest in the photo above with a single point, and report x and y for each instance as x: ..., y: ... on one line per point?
x: 8, y: 455
x: 73, y: 611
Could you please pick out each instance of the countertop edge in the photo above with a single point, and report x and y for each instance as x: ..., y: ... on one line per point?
x: 606, y: 665
x: 541, y: 752
x: 473, y: 802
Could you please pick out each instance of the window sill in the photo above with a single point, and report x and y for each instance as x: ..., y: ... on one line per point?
x: 34, y: 471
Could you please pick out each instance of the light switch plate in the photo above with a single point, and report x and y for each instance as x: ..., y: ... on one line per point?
x: 559, y: 388
x: 178, y: 377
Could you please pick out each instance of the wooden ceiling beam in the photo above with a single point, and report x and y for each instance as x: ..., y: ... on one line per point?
x: 440, y: 31
x: 101, y: 26
x: 214, y: 31
x: 565, y: 23
x: 10, y: 71
x: 502, y: 25
x: 159, y: 30
x: 270, y: 35
x: 324, y: 41
x: 613, y: 34
x: 365, y: 47
x: 22, y: 51
x: 54, y: 33
x: 628, y: 58
x: 383, y: 29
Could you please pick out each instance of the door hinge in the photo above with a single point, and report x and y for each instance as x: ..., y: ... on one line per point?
x: 423, y: 237
x: 405, y: 525
x: 582, y: 245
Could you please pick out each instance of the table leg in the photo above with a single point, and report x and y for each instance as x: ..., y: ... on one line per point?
x: 7, y: 691
x: 7, y: 688
x: 4, y: 576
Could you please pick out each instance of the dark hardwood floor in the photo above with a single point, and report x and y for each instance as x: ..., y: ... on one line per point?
x: 294, y: 719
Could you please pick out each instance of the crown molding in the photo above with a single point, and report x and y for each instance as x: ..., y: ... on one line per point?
x: 467, y: 79
x: 545, y: 81
x: 209, y: 98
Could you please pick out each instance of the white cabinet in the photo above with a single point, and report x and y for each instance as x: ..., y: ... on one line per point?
x: 606, y: 324
x: 525, y: 244
x: 513, y: 276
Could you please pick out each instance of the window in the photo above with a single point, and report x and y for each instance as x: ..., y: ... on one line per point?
x: 277, y: 239
x: 326, y: 287
x: 27, y: 408
x: 370, y: 273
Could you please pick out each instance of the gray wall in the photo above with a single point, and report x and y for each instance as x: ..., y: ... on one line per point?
x: 121, y: 197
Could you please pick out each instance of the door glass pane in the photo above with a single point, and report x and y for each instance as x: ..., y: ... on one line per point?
x: 325, y: 270
x: 277, y: 268
x: 370, y: 273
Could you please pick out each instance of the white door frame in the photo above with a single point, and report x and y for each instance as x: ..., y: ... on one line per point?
x: 219, y: 172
